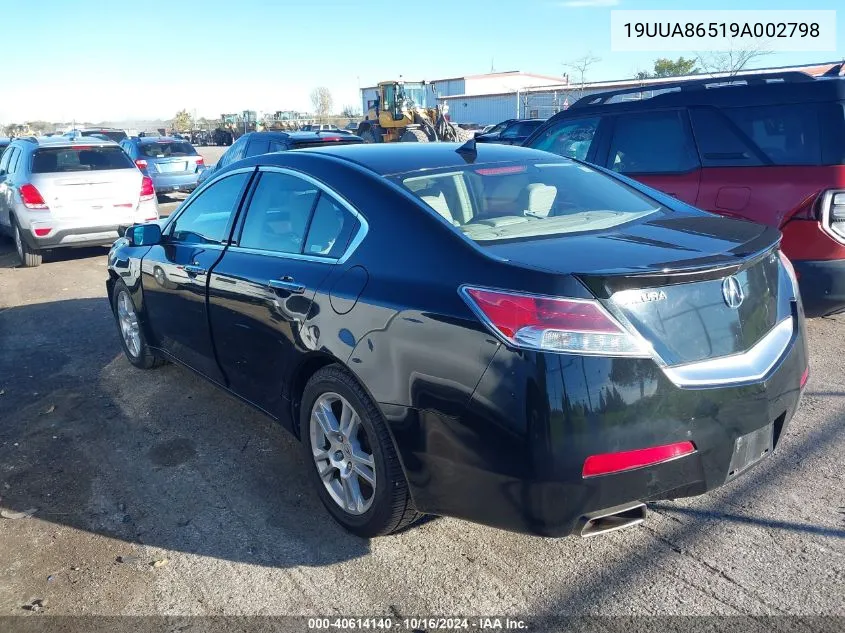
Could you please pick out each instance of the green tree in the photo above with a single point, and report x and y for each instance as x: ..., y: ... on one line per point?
x: 182, y: 121
x: 664, y: 67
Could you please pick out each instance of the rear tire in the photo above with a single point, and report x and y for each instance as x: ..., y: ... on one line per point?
x: 30, y: 257
x: 129, y: 327
x: 414, y: 135
x: 345, y: 437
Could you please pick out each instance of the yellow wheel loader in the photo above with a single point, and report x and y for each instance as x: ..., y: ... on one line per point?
x: 400, y: 113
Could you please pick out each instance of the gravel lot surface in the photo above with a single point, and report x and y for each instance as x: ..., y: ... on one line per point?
x: 121, y: 468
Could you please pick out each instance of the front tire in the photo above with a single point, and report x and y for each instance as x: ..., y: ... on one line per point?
x: 129, y: 326
x: 369, y: 136
x: 351, y: 458
x: 414, y: 135
x: 29, y: 257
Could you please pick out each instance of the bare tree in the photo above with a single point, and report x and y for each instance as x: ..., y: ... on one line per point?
x: 321, y: 99
x: 731, y: 61
x: 579, y: 68
x: 350, y: 111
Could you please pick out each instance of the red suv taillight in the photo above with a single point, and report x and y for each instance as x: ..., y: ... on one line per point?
x: 200, y: 161
x: 31, y: 197
x: 140, y: 163
x: 148, y: 192
x: 833, y: 213
x: 576, y: 326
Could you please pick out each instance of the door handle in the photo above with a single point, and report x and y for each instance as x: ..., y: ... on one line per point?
x: 287, y: 283
x: 193, y: 269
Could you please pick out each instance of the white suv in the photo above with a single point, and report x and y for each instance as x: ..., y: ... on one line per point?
x: 57, y: 192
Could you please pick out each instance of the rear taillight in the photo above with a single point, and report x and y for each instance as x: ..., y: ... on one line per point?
x: 31, y: 197
x: 140, y: 163
x: 832, y: 210
x: 607, y: 463
x: 790, y: 271
x: 148, y: 192
x: 577, y: 326
x: 200, y: 161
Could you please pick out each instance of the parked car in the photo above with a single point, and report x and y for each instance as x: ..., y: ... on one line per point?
x: 501, y: 335
x: 510, y: 132
x: 255, y: 143
x: 200, y: 138
x: 173, y: 164
x: 60, y: 192
x: 108, y: 132
x: 4, y: 143
x: 768, y: 148
x: 319, y: 127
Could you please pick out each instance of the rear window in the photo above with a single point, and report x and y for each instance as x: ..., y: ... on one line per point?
x: 787, y: 134
x: 165, y: 149
x: 527, y: 200
x: 79, y: 158
x: 112, y: 135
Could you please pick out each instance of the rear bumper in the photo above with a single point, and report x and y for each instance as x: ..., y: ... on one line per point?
x: 822, y: 286
x: 88, y: 236
x: 166, y: 183
x: 513, y: 459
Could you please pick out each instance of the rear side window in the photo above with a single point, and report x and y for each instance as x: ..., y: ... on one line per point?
x: 651, y: 142
x: 787, y: 134
x: 165, y: 149
x: 277, y: 218
x: 79, y: 158
x: 257, y: 146
x: 719, y: 144
x: 570, y: 138
x: 330, y: 229
x: 14, y: 159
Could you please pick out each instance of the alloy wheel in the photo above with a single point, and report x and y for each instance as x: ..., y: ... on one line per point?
x: 128, y: 320
x: 342, y: 453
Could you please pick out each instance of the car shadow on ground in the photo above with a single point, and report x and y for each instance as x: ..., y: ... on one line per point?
x: 9, y: 256
x: 159, y: 458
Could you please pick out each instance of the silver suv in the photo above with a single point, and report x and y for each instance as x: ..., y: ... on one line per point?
x: 57, y: 192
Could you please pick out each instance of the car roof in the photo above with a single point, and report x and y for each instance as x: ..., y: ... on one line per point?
x: 696, y: 92
x: 395, y: 158
x: 158, y: 139
x: 64, y: 141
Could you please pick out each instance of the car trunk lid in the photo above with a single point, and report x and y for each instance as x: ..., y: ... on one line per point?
x: 676, y: 279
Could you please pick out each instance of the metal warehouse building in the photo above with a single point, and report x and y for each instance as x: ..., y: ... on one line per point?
x: 494, y: 97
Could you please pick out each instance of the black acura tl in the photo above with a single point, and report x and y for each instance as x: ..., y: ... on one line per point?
x: 492, y: 333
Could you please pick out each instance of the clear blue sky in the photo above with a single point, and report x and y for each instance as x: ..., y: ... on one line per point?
x: 95, y: 60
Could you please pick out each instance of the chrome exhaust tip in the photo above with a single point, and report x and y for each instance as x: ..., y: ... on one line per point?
x: 611, y: 519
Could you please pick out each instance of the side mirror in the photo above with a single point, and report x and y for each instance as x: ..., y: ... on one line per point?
x: 144, y: 235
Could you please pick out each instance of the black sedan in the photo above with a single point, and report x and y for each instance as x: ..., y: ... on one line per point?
x: 492, y: 333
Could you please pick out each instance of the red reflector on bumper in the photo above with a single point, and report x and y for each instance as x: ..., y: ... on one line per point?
x: 607, y: 463
x: 805, y: 376
x: 42, y: 232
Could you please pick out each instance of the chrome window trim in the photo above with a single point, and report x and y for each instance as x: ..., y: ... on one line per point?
x: 750, y: 366
x: 354, y: 242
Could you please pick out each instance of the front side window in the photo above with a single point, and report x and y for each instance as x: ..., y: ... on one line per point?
x: 651, y: 142
x: 570, y: 138
x: 206, y: 219
x: 527, y: 200
x: 79, y: 158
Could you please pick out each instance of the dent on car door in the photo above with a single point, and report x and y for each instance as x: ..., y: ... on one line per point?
x: 175, y: 273
x: 657, y: 149
x: 263, y: 289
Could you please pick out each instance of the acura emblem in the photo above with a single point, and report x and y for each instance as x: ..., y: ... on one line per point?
x: 732, y: 292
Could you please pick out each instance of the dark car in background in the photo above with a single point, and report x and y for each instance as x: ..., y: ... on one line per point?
x: 510, y: 132
x: 254, y: 143
x: 173, y: 164
x: 764, y: 147
x: 104, y: 133
x: 501, y: 335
